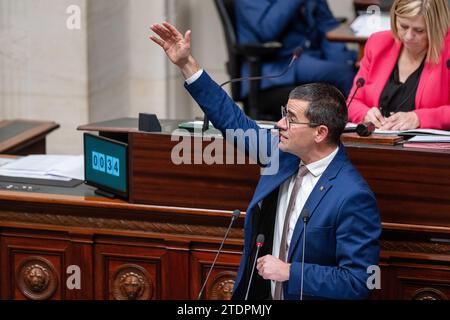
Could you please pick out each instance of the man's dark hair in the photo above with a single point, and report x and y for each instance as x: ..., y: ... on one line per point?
x: 326, y: 106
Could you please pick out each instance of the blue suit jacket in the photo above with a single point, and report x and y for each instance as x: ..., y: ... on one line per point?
x: 294, y: 23
x: 344, y: 225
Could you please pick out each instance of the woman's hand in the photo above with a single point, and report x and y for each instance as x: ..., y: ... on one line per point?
x: 176, y: 47
x: 374, y: 115
x: 401, y: 121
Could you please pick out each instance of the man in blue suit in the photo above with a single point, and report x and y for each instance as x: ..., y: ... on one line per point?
x: 295, y: 23
x: 344, y: 224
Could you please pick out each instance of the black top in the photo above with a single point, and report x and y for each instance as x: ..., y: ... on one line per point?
x: 397, y: 96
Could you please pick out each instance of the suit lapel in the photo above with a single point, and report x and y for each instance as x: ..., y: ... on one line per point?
x: 288, y: 166
x: 322, y: 187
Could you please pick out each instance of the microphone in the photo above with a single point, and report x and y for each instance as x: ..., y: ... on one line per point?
x: 259, y: 244
x: 363, y: 129
x: 305, y: 217
x: 234, y: 216
x: 359, y: 84
x: 448, y: 64
x: 295, y: 55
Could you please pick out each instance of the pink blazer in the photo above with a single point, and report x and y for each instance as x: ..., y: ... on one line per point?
x: 433, y: 93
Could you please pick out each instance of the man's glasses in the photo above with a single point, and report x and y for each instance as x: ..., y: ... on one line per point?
x: 289, y: 122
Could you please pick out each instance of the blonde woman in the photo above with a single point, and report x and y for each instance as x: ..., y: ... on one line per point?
x: 406, y: 70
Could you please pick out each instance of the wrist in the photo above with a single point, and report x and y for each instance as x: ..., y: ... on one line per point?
x: 416, y: 120
x: 288, y: 273
x: 189, y: 68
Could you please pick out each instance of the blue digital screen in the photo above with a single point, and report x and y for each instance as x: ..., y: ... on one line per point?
x: 105, y: 164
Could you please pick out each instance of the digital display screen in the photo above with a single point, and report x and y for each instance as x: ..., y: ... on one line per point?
x: 105, y: 164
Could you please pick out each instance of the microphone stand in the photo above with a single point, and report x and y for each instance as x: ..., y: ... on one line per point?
x: 236, y: 214
x: 305, y: 221
x: 363, y: 129
x: 296, y: 54
x: 259, y: 244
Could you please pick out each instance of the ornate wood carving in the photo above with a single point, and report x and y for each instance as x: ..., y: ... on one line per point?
x: 132, y: 282
x: 119, y: 224
x: 222, y: 286
x: 37, y: 278
x: 415, y: 247
x: 429, y: 294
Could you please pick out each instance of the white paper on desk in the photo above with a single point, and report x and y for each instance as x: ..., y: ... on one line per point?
x: 386, y: 132
x: 71, y: 167
x: 430, y: 138
x: 367, y: 24
x: 415, y: 132
x: 31, y: 174
x: 4, y: 161
x: 52, y: 167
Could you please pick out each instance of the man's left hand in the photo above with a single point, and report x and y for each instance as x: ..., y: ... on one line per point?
x: 401, y: 121
x: 271, y: 268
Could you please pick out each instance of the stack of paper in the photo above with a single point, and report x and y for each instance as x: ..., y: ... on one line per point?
x: 49, y: 167
x: 367, y: 24
x: 429, y: 138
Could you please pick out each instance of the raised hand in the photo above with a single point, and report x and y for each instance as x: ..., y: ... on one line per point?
x: 176, y: 47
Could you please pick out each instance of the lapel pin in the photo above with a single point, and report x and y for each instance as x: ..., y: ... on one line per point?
x: 322, y: 188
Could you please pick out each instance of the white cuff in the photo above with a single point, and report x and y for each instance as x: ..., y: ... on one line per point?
x: 194, y: 77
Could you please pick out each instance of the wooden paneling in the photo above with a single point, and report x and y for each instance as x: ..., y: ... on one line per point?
x: 35, y: 264
x: 34, y: 267
x: 411, y: 187
x: 221, y: 280
x: 129, y: 273
x: 117, y: 243
x: 156, y: 179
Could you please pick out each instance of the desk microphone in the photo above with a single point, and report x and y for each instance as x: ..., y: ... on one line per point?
x: 305, y: 217
x: 363, y: 129
x: 259, y: 244
x: 234, y: 216
x: 359, y: 84
x: 295, y: 55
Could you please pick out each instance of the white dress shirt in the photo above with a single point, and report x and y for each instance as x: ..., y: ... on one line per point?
x: 194, y: 77
x: 315, y: 171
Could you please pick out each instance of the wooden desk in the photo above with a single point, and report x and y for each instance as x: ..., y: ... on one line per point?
x: 343, y: 33
x: 167, y: 250
x: 23, y: 137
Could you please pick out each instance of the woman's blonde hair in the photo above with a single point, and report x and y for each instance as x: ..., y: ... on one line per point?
x: 437, y: 20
